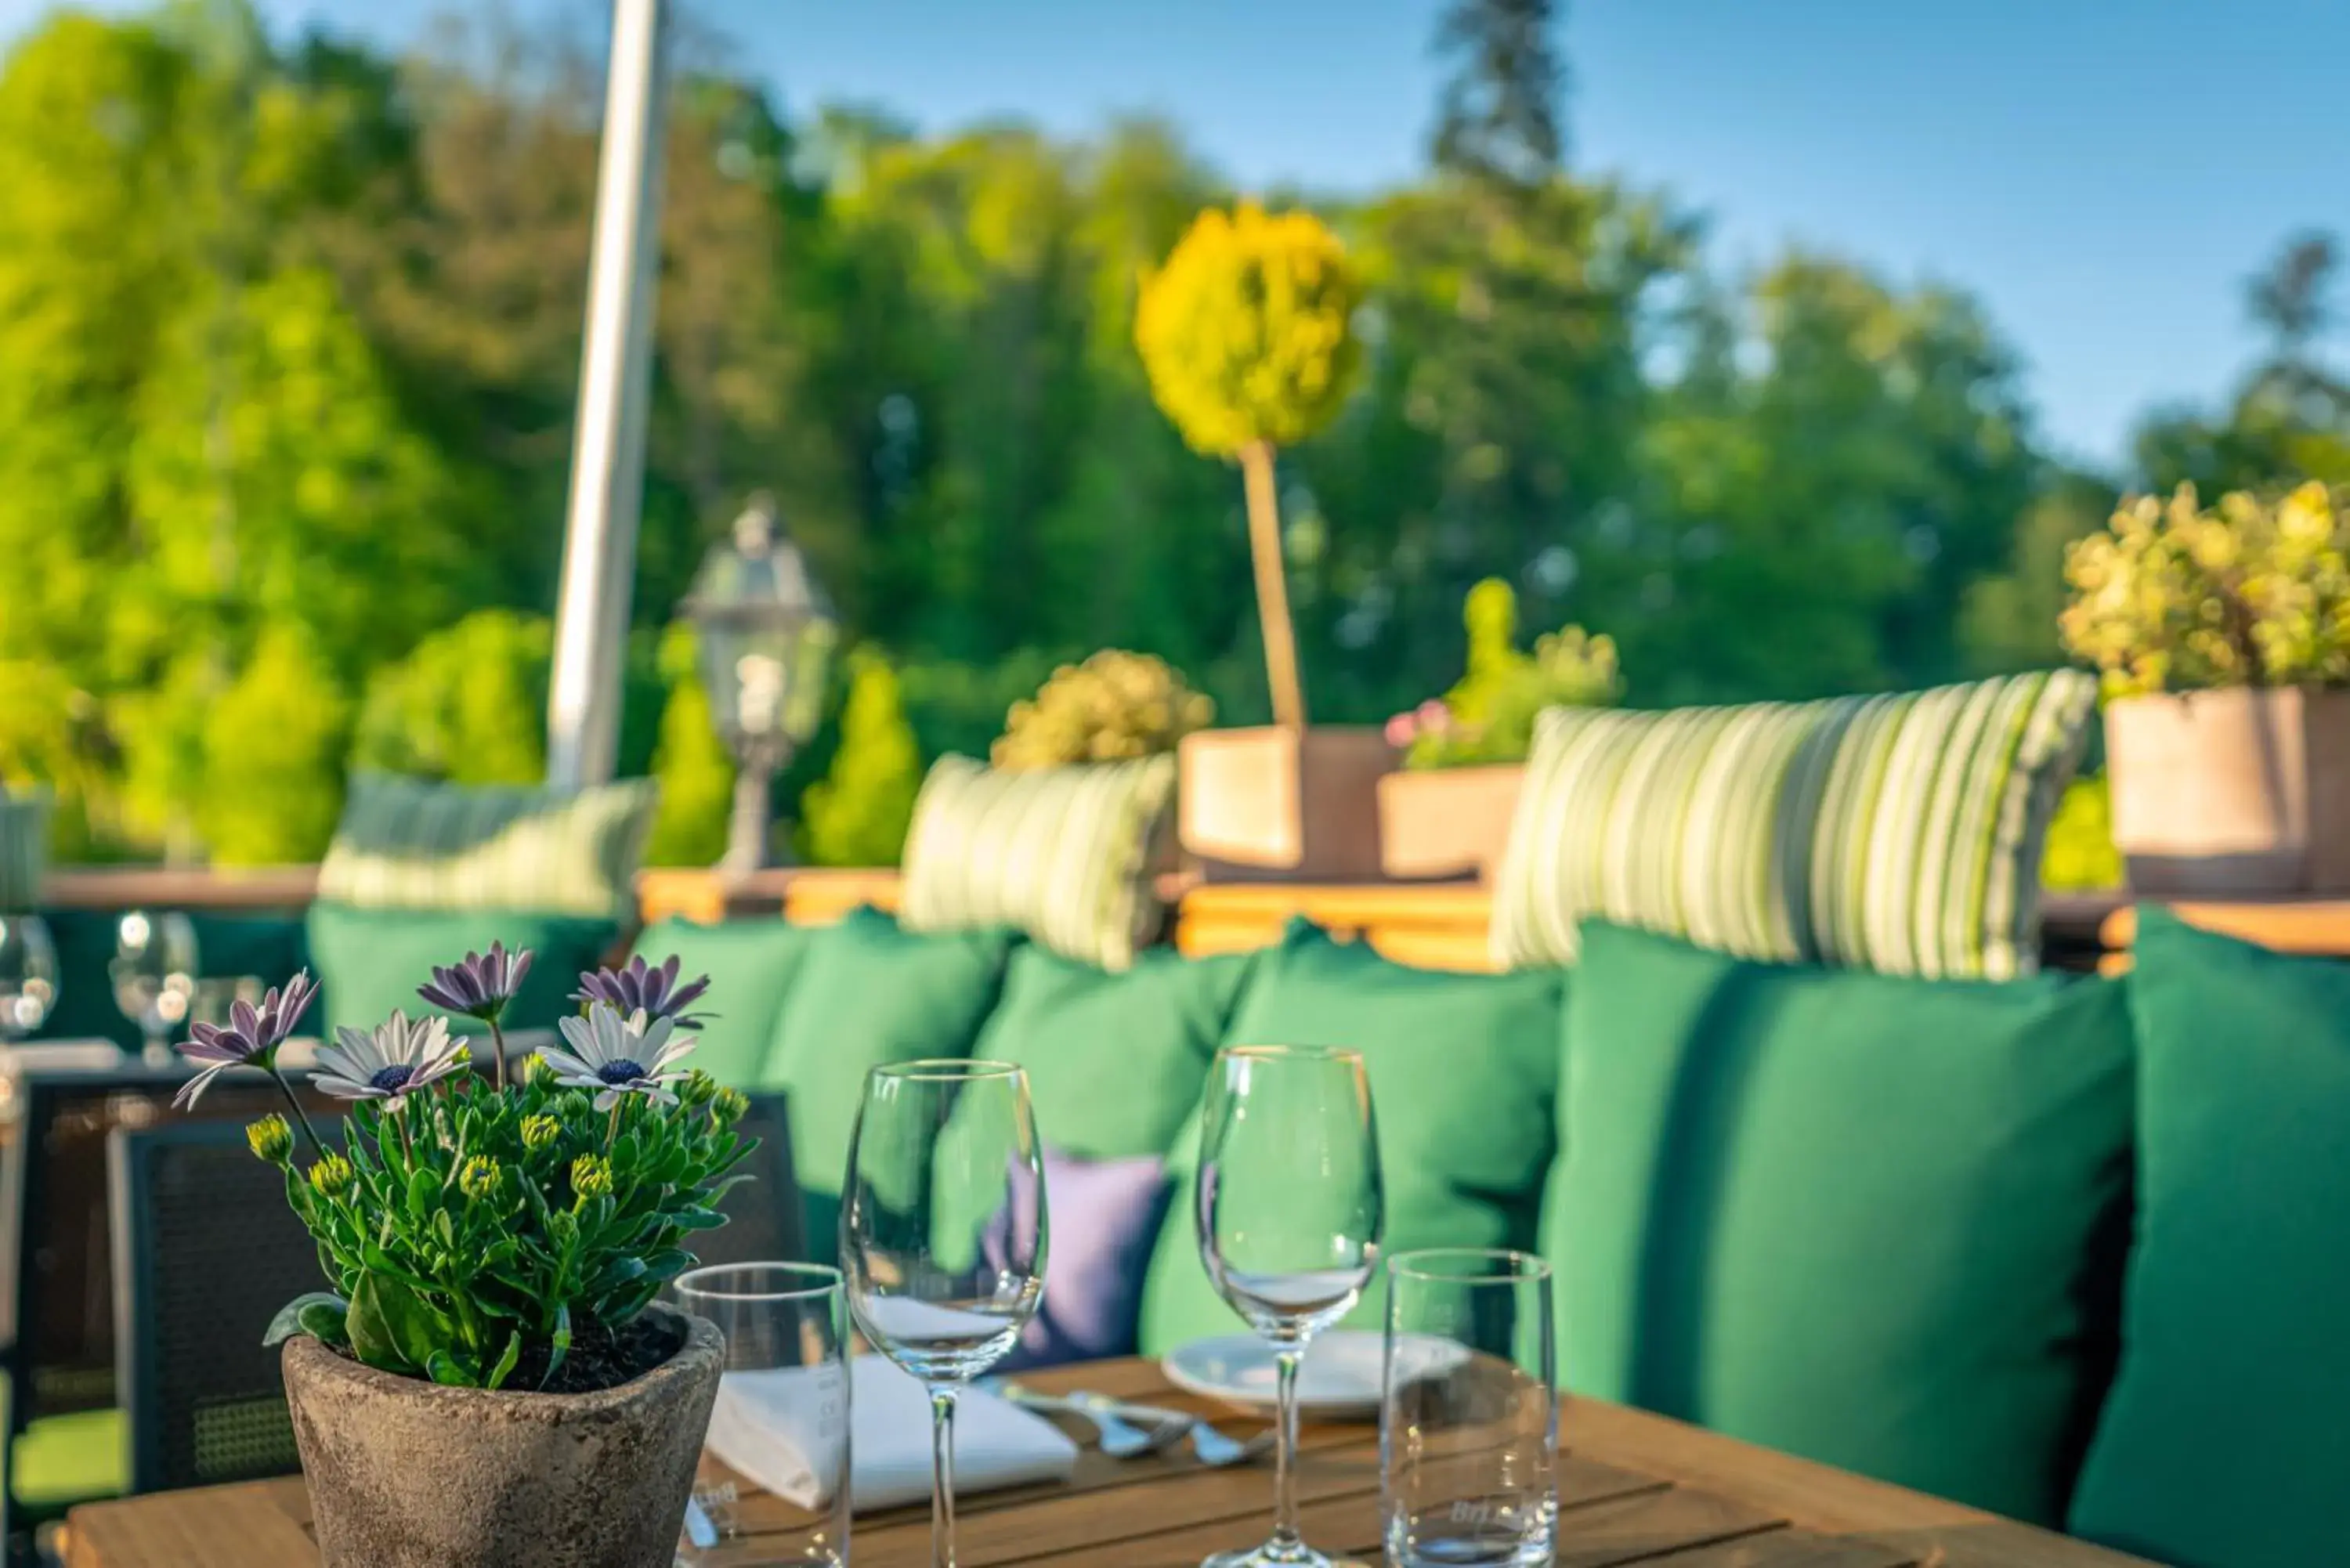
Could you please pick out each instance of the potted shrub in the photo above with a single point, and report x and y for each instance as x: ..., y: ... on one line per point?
x: 1247, y: 334
x: 2224, y: 637
x: 487, y: 1379
x: 1448, y: 812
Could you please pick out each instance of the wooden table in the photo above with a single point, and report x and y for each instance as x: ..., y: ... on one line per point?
x: 1635, y: 1488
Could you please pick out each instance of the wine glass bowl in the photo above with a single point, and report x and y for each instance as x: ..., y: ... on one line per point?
x: 1290, y: 1207
x: 944, y: 1233
x: 154, y: 970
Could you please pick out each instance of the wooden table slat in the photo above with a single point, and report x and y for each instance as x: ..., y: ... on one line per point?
x: 1633, y: 1489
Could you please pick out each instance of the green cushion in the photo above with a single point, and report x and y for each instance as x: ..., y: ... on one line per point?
x: 370, y: 961
x: 1900, y: 834
x: 751, y: 964
x: 63, y: 1459
x: 866, y: 994
x: 1064, y: 853
x: 416, y: 844
x: 1116, y: 1062
x: 1462, y: 1070
x: 24, y: 846
x: 2227, y: 1439
x: 1874, y: 1221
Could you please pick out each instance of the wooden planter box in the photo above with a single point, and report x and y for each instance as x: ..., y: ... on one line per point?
x: 1447, y: 822
x: 2233, y: 792
x: 1271, y: 803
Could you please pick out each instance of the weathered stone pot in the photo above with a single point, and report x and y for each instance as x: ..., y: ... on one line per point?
x: 2232, y: 792
x: 408, y: 1474
x: 1447, y: 822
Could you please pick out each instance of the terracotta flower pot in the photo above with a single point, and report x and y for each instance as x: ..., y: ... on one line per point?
x: 408, y: 1474
x: 1289, y: 804
x: 1447, y: 822
x: 2232, y: 792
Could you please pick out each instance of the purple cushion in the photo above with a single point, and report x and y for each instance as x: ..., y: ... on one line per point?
x: 1106, y: 1215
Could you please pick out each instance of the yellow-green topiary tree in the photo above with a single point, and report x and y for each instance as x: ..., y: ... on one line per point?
x: 1247, y: 334
x: 857, y: 813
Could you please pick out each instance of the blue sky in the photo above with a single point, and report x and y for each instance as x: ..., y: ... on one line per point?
x: 2104, y: 173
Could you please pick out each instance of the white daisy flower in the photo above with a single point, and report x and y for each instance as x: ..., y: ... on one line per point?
x: 615, y: 1055
x: 397, y: 1058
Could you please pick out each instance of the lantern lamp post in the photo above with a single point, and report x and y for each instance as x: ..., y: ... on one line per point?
x: 764, y: 636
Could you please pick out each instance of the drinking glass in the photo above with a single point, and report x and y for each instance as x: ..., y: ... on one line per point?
x: 28, y: 976
x: 1469, y: 1411
x: 154, y: 975
x: 943, y: 1234
x: 781, y: 1417
x: 1290, y: 1207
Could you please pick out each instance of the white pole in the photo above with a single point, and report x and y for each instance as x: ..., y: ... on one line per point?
x: 607, y: 450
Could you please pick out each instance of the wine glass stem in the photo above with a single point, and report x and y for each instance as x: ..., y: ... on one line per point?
x: 942, y: 1539
x: 1286, y: 1538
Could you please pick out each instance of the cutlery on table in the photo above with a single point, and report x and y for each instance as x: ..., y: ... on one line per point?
x: 1114, y: 1423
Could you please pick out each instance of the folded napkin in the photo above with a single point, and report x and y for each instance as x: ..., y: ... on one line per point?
x: 783, y: 1430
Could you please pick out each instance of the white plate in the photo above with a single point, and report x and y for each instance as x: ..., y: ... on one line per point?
x: 1340, y: 1377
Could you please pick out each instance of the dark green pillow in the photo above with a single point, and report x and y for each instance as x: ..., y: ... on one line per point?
x: 1462, y: 1070
x: 751, y: 964
x: 370, y: 961
x: 2227, y: 1440
x: 1116, y: 1062
x: 1870, y: 1219
x: 867, y: 993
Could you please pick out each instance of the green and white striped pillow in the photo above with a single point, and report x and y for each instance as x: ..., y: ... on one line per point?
x: 24, y: 846
x: 1062, y: 854
x: 1900, y: 834
x: 414, y: 844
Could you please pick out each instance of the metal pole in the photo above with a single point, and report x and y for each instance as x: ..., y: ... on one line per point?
x: 607, y: 450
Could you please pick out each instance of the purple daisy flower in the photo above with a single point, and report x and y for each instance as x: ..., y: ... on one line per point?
x: 481, y: 985
x: 400, y: 1057
x: 249, y: 1039
x: 639, y: 987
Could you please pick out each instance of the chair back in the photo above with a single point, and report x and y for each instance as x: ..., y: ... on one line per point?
x: 206, y: 1250
x: 57, y: 1301
x: 764, y: 1223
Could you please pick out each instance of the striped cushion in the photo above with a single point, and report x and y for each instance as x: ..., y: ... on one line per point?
x: 412, y: 844
x: 1062, y: 854
x: 24, y: 846
x: 1900, y: 834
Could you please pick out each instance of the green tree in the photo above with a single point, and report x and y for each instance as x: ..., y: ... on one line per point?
x: 696, y: 773
x: 1498, y: 117
x: 857, y: 813
x: 273, y: 756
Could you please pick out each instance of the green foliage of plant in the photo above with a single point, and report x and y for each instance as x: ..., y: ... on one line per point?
x: 695, y: 771
x: 857, y: 813
x: 1488, y: 715
x: 472, y: 1224
x: 1113, y: 707
x: 273, y: 756
x: 2177, y: 597
x: 2080, y: 857
x: 467, y: 705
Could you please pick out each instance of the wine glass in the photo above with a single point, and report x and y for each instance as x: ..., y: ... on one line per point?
x: 943, y: 1234
x: 28, y: 976
x: 154, y: 971
x: 1290, y: 1207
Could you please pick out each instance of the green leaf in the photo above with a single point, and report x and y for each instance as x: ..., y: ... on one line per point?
x: 559, y: 1343
x: 291, y: 1319
x: 443, y: 1368
x: 695, y: 1218
x: 424, y: 1192
x: 372, y: 1340
x: 507, y: 1359
x: 666, y: 1265
x: 413, y: 1330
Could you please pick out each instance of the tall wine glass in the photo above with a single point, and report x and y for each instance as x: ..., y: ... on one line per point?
x: 1290, y: 1209
x: 28, y: 976
x: 943, y: 1234
x: 154, y: 976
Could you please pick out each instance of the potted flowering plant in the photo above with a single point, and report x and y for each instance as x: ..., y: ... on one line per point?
x: 1448, y: 812
x: 487, y: 1377
x: 2223, y: 634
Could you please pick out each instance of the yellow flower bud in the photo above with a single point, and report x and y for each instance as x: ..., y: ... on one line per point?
x: 591, y: 1176
x: 537, y: 1132
x: 330, y: 1175
x: 271, y: 1140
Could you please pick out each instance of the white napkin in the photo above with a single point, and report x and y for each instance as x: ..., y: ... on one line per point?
x: 783, y: 1431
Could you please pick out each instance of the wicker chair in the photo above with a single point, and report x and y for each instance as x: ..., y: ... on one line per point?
x: 57, y: 1266
x: 206, y: 1250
